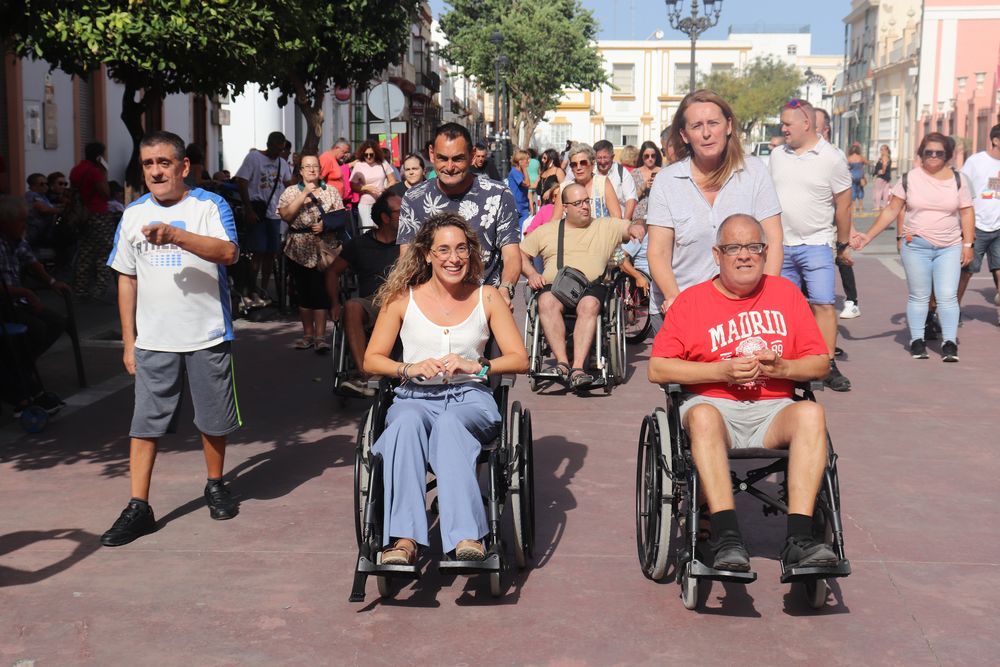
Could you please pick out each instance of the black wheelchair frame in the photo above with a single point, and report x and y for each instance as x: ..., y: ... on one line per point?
x: 609, y: 355
x: 667, y: 511
x: 510, y: 475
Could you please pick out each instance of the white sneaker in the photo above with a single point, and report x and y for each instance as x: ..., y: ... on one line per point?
x: 850, y: 311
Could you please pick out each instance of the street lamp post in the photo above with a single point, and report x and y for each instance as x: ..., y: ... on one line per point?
x: 693, y: 26
x: 499, y: 135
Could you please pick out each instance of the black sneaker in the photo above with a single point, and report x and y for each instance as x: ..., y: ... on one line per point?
x: 918, y: 349
x: 730, y: 554
x: 836, y: 380
x: 807, y: 552
x: 49, y: 402
x: 932, y: 327
x: 221, y: 506
x: 949, y: 351
x: 135, y: 521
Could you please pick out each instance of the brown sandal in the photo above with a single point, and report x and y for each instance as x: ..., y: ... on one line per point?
x: 470, y: 550
x: 401, y: 552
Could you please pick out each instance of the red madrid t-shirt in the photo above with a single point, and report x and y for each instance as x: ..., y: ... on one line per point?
x: 705, y: 325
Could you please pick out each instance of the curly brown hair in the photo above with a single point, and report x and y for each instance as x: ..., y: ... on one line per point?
x: 413, y: 269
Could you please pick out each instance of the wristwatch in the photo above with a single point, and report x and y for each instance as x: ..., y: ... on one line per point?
x: 842, y: 246
x: 510, y: 289
x: 485, y: 370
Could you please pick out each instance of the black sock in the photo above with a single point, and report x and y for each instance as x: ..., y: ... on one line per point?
x: 800, y: 525
x: 140, y: 502
x: 724, y: 521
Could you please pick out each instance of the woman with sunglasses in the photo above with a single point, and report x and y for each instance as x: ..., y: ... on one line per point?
x: 302, y: 206
x: 650, y: 164
x: 935, y: 240
x: 434, y: 303
x: 710, y: 181
x: 600, y: 190
x: 370, y: 176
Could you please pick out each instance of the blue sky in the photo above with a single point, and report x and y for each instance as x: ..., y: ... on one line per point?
x: 637, y: 19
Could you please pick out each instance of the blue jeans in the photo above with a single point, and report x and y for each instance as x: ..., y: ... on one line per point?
x: 929, y: 267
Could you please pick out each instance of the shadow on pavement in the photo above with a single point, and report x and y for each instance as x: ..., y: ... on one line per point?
x: 86, y: 544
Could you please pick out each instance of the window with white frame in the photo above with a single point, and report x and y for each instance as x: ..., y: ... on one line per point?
x: 722, y: 68
x: 561, y: 133
x: 793, y: 49
x: 622, y: 135
x: 623, y: 78
x: 682, y: 79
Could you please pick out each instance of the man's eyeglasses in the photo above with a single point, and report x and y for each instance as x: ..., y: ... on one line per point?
x: 444, y: 252
x: 932, y: 153
x: 581, y: 163
x: 733, y: 249
x: 579, y: 202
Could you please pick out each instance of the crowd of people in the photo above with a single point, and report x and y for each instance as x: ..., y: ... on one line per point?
x: 738, y: 256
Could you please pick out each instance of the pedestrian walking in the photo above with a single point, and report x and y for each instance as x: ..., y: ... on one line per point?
x: 650, y: 164
x: 813, y: 183
x: 604, y: 202
x: 413, y: 173
x: 549, y: 163
x: 983, y: 172
x: 882, y: 171
x: 936, y: 240
x: 173, y: 299
x: 856, y: 164
x: 310, y: 248
x: 371, y: 175
x: 487, y: 205
x: 96, y: 235
x: 518, y: 182
x: 261, y: 179
x: 711, y: 180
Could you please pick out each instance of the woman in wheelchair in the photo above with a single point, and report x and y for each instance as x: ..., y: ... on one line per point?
x: 738, y: 344
x: 434, y: 302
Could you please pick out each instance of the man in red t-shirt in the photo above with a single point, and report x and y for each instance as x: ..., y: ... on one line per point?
x: 330, y: 169
x: 739, y: 343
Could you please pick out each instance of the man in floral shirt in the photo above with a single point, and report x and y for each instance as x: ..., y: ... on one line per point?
x: 487, y: 205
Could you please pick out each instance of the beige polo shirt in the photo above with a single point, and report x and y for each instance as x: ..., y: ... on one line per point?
x: 587, y: 249
x: 806, y: 185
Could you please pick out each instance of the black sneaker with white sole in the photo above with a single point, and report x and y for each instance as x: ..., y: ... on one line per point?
x: 949, y: 351
x: 918, y: 349
x: 836, y: 380
x: 135, y: 521
x: 221, y: 505
x: 807, y: 552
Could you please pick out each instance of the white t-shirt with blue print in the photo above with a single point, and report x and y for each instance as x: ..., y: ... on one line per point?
x: 183, y: 301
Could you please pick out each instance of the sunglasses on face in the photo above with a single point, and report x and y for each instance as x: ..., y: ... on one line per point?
x: 932, y: 153
x: 649, y: 156
x: 733, y: 249
x: 369, y: 154
x: 581, y: 163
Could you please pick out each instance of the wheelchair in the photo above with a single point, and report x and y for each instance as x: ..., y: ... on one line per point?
x: 667, y: 510
x: 341, y: 362
x: 510, y: 481
x: 609, y: 355
x: 635, y: 307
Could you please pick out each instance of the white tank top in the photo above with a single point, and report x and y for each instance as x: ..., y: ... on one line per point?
x: 423, y: 339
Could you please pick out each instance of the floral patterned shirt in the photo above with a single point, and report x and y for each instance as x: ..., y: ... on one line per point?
x: 488, y: 206
x: 302, y: 245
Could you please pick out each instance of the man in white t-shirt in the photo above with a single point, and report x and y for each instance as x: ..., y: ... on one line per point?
x: 171, y: 251
x: 262, y: 178
x: 983, y: 172
x: 813, y: 181
x: 621, y: 179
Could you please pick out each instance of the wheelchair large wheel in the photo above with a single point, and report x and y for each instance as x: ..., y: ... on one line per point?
x: 522, y: 488
x: 337, y: 351
x: 616, y: 343
x: 637, y: 319
x: 654, y: 498
x: 362, y: 474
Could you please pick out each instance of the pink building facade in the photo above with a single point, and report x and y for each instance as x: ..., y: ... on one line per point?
x: 959, y: 81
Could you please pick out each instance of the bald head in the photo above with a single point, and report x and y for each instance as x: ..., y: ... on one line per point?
x: 573, y: 192
x: 738, y: 221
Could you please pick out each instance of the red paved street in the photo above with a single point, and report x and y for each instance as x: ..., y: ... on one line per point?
x: 918, y: 475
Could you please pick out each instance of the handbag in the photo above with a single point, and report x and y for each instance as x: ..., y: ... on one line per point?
x: 569, y: 283
x: 332, y: 220
x: 325, y: 256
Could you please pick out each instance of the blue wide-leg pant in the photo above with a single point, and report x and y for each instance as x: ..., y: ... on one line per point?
x: 441, y: 426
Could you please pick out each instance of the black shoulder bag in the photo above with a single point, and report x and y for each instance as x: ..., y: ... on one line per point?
x: 569, y: 284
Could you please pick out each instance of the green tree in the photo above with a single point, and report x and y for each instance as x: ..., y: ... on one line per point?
x: 152, y: 47
x: 550, y: 46
x: 346, y: 42
x: 758, y: 92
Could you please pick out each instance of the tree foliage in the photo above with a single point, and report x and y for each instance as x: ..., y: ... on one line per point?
x: 758, y: 92
x: 348, y: 42
x: 152, y: 47
x: 550, y: 45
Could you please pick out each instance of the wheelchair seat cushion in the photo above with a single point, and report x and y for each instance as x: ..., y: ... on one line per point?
x: 746, y: 421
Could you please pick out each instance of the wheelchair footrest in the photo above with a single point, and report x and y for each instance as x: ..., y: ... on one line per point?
x: 701, y: 571
x: 366, y: 566
x: 841, y: 569
x: 489, y: 564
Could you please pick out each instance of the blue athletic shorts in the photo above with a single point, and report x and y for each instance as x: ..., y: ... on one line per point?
x: 813, y: 266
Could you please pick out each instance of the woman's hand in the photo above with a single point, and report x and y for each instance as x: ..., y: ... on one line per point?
x: 454, y: 363
x: 966, y: 255
x: 642, y: 283
x: 427, y: 368
x: 860, y: 241
x: 316, y: 227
